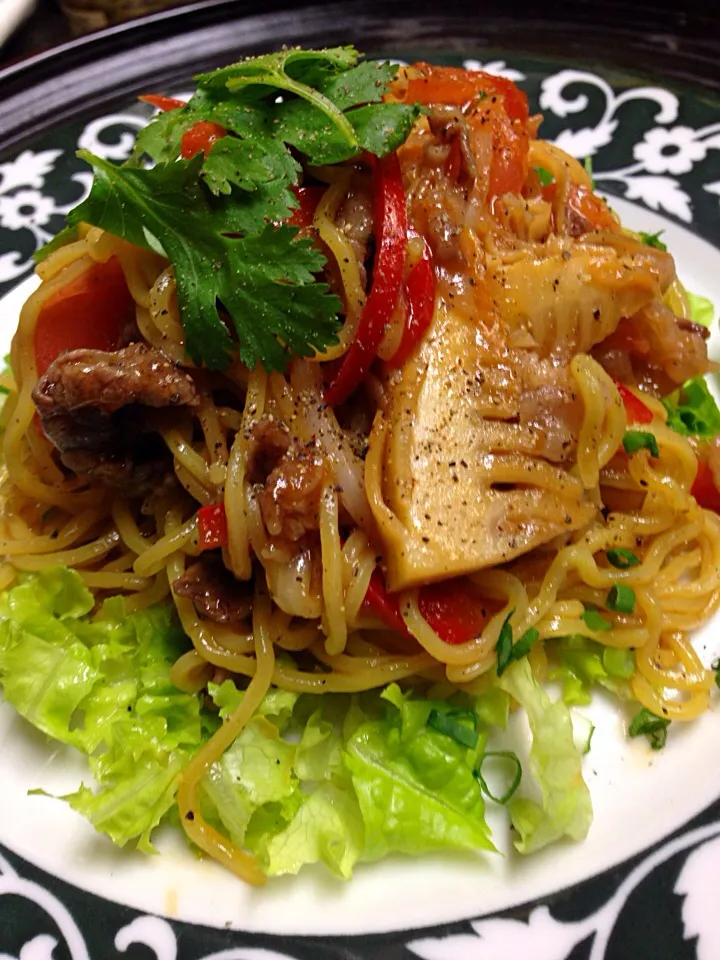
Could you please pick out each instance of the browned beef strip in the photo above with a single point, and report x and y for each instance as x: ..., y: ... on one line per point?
x: 93, y: 405
x: 215, y: 592
x: 289, y: 479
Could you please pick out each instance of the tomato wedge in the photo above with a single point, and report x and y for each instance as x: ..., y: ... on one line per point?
x: 90, y: 312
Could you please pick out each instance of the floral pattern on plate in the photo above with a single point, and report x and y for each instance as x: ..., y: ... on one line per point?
x: 647, y: 144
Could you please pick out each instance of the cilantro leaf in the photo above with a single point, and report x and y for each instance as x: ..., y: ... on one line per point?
x: 653, y: 239
x: 265, y: 281
x: 248, y: 164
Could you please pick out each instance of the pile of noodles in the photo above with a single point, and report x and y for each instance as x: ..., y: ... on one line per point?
x: 51, y: 517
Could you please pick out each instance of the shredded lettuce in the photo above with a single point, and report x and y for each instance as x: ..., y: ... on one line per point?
x: 692, y: 410
x: 104, y: 687
x: 701, y: 309
x: 334, y: 779
x: 581, y: 662
x: 566, y: 809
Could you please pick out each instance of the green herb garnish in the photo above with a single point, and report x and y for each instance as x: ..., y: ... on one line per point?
x: 654, y: 727
x: 619, y: 662
x: 588, y: 166
x: 503, y: 647
x: 621, y: 598
x: 622, y: 559
x: 595, y: 621
x: 544, y: 176
x: 653, y: 239
x: 507, y: 651
x: 450, y: 723
x: 516, y: 778
x: 216, y: 217
x: 635, y: 440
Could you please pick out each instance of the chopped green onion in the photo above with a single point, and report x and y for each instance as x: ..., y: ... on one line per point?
x: 503, y: 647
x: 448, y: 724
x: 544, y: 176
x: 619, y: 662
x: 501, y: 755
x: 593, y: 619
x: 621, y: 558
x: 526, y: 641
x: 635, y: 440
x: 583, y: 730
x: 653, y: 239
x: 621, y: 599
x: 715, y: 665
x: 588, y: 165
x: 654, y: 727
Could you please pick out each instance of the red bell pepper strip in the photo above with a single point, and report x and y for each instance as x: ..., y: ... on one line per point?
x: 420, y: 291
x: 212, y: 526
x: 454, y: 613
x: 704, y: 488
x: 391, y: 226
x: 90, y: 312
x: 200, y: 138
x: 384, y: 605
x: 635, y: 409
x: 453, y: 86
x: 308, y: 199
x: 160, y: 102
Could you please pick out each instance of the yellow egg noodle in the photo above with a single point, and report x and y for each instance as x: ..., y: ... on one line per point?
x: 450, y: 456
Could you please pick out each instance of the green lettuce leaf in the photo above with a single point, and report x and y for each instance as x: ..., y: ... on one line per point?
x: 555, y: 761
x: 701, y: 309
x: 416, y: 792
x: 692, y: 410
x: 582, y: 662
x: 104, y: 687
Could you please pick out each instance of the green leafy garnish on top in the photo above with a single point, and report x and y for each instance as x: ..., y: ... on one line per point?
x: 242, y: 273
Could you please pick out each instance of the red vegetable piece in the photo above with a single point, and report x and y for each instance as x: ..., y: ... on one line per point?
x: 420, y: 290
x: 160, y: 102
x: 384, y: 605
x: 212, y: 526
x: 453, y: 86
x: 90, y: 312
x: 635, y: 409
x: 453, y: 611
x: 704, y: 489
x: 391, y: 225
x: 308, y: 199
x: 200, y: 138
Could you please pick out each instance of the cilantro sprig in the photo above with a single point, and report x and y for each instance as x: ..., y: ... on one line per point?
x: 239, y: 275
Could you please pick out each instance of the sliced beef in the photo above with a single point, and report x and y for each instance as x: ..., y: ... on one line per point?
x: 290, y: 478
x: 94, y: 408
x: 216, y: 593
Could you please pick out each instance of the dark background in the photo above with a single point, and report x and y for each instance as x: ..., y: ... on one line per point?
x: 673, y: 23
